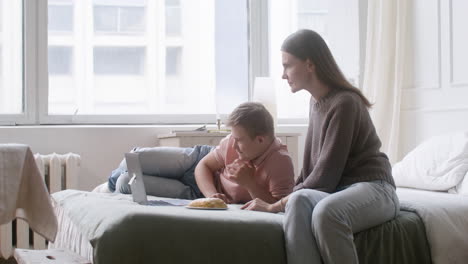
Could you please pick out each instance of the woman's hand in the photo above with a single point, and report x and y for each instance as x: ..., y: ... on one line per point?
x: 260, y: 205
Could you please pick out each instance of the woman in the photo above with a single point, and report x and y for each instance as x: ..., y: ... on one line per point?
x: 346, y: 184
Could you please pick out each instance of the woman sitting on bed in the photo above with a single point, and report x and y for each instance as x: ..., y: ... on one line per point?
x: 346, y: 184
x: 249, y: 163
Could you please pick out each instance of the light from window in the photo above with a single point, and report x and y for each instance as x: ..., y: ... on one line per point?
x: 313, y: 14
x: 173, y: 18
x: 116, y: 19
x: 60, y: 17
x: 132, y: 19
x: 11, y: 59
x: 106, y: 18
x: 132, y: 57
x: 335, y: 20
x: 173, y: 61
x: 119, y: 60
x: 60, y: 60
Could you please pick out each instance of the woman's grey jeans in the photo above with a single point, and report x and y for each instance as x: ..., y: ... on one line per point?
x: 320, y: 226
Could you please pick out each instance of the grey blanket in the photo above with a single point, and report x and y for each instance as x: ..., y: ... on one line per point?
x: 121, y: 231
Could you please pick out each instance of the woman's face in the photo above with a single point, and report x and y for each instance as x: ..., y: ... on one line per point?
x: 296, y: 72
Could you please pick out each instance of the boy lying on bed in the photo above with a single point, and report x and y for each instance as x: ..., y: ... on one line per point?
x: 249, y: 163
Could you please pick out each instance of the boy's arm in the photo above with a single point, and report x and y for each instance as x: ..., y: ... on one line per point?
x: 204, y: 175
x: 281, y: 176
x: 257, y: 192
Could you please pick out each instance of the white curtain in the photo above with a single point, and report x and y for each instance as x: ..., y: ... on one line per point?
x: 387, y: 25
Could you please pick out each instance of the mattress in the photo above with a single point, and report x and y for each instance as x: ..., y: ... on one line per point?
x: 110, y: 228
x: 445, y: 218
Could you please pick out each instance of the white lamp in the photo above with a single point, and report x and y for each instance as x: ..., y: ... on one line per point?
x: 265, y: 92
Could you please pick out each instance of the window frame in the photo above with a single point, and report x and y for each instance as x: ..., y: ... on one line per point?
x: 46, y: 119
x: 35, y: 76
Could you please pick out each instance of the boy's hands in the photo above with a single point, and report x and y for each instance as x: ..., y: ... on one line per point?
x: 242, y: 173
x: 221, y: 196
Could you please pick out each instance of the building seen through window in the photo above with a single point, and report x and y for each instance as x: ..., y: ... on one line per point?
x: 131, y: 57
x: 157, y: 61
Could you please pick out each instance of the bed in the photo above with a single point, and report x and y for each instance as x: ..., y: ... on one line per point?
x: 110, y: 228
x: 430, y: 228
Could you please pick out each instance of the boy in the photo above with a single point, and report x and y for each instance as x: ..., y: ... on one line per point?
x: 249, y: 163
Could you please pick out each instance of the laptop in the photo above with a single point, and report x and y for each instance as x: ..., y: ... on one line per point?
x: 137, y: 185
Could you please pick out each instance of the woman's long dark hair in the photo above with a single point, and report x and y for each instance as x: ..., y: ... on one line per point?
x: 308, y: 44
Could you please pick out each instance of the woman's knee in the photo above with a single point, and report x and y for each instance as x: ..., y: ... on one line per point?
x: 298, y: 199
x: 326, y: 215
x: 304, y: 200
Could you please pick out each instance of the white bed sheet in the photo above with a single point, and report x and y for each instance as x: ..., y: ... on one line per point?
x: 445, y: 217
x: 69, y: 236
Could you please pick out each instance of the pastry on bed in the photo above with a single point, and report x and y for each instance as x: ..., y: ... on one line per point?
x: 208, y: 203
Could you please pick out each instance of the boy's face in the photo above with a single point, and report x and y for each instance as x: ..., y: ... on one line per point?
x: 246, y: 147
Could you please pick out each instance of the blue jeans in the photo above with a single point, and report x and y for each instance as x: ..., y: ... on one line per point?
x: 320, y: 225
x: 167, y: 172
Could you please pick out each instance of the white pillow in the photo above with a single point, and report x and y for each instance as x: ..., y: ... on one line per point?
x: 438, y: 164
x: 462, y: 187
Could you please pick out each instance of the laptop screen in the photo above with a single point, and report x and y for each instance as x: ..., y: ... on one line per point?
x: 136, y: 178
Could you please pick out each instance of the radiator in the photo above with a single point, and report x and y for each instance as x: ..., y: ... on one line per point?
x: 60, y: 172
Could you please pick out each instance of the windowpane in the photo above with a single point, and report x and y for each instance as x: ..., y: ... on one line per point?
x: 172, y: 2
x: 106, y: 18
x: 173, y: 60
x: 118, y: 19
x: 11, y: 66
x: 60, y: 18
x: 132, y: 19
x: 313, y: 15
x: 132, y: 57
x: 336, y: 21
x: 117, y: 2
x: 114, y: 61
x: 173, y: 18
x: 317, y: 21
x: 312, y: 5
x: 60, y: 60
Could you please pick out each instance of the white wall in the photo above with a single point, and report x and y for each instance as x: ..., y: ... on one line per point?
x: 435, y: 97
x: 101, y: 147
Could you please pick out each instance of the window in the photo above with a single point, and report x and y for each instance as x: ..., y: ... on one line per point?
x: 60, y: 16
x: 136, y: 57
x: 60, y: 60
x: 337, y: 21
x: 313, y: 14
x: 173, y: 61
x: 173, y: 18
x: 155, y: 61
x: 119, y: 60
x: 119, y: 19
x: 11, y: 68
